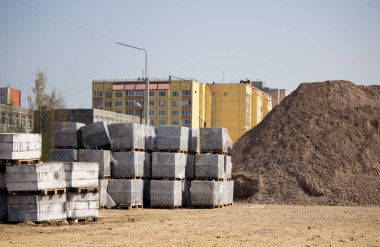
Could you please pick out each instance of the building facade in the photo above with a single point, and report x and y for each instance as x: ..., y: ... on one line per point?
x: 171, y: 102
x: 235, y: 106
x: 15, y: 119
x: 277, y: 95
x: 10, y: 96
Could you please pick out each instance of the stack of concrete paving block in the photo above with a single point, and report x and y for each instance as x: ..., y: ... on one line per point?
x: 194, y: 141
x: 127, y: 136
x: 209, y: 166
x: 132, y: 164
x: 228, y: 167
x: 207, y: 193
x: 173, y: 138
x: 28, y: 187
x: 95, y: 136
x: 66, y: 135
x: 127, y: 192
x: 82, y: 205
x: 105, y: 200
x: 150, y: 138
x: 36, y: 207
x: 165, y: 193
x: 186, y: 193
x: 81, y: 174
x: 168, y: 165
x: 20, y: 146
x: 102, y: 157
x: 215, y: 140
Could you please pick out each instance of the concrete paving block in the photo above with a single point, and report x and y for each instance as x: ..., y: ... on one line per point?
x: 127, y: 136
x: 173, y: 138
x: 105, y: 199
x: 67, y: 135
x: 207, y: 193
x: 64, y: 155
x: 81, y: 174
x: 102, y: 157
x: 14, y: 146
x: 130, y: 164
x: 168, y: 165
x: 190, y: 167
x: 36, y: 208
x: 3, y: 207
x: 228, y: 166
x: 165, y: 193
x: 34, y: 177
x: 95, y: 136
x: 194, y: 140
x: 82, y: 205
x: 215, y: 140
x: 209, y: 166
x: 126, y: 192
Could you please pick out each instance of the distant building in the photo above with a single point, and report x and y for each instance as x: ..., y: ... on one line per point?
x: 10, y: 96
x: 15, y: 119
x: 277, y: 95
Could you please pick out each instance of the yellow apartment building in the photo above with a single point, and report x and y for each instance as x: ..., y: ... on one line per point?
x: 238, y: 107
x: 171, y: 102
x: 235, y: 106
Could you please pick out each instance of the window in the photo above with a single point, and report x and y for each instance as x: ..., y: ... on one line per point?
x: 139, y: 93
x: 108, y: 95
x: 108, y: 104
x: 161, y: 113
x: 174, y: 122
x: 175, y: 104
x: 162, y: 93
x: 3, y: 118
x: 161, y: 103
x: 175, y: 93
x: 151, y: 122
x: 118, y: 103
x: 186, y: 102
x: 141, y: 102
x: 97, y: 104
x: 129, y: 93
x: 129, y: 112
x: 248, y: 106
x: 186, y: 112
x: 130, y: 102
x: 186, y: 122
x: 248, y: 115
x: 174, y: 113
x: 247, y: 96
x: 186, y: 92
x: 151, y: 93
x: 162, y: 122
x: 97, y: 94
x: 151, y: 113
x: 118, y: 94
x: 151, y: 103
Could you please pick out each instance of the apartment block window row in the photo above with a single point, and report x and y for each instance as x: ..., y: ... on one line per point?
x: 134, y: 102
x: 186, y: 102
x: 118, y: 94
x: 175, y: 104
x: 161, y: 122
x: 175, y: 94
x: 161, y: 113
x: 162, y: 93
x: 174, y: 122
x: 108, y: 104
x: 134, y: 92
x: 186, y: 122
x: 133, y: 112
x: 118, y: 103
x: 175, y: 113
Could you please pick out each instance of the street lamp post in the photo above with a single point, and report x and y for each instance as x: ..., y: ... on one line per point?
x: 146, y: 80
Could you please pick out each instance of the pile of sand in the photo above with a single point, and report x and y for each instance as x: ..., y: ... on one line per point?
x: 321, y: 145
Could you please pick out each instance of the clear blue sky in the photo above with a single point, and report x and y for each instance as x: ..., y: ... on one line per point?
x: 283, y: 42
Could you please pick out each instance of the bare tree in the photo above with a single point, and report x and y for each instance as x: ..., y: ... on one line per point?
x: 43, y: 106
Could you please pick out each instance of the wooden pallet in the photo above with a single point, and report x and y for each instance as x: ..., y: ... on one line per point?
x: 66, y: 147
x: 166, y: 207
x: 129, y: 150
x: 83, y: 219
x: 214, y: 152
x: 169, y: 179
x: 210, y: 179
x: 20, y: 161
x: 104, y: 177
x: 172, y: 151
x: 208, y: 207
x: 84, y: 189
x: 127, y: 207
x: 129, y: 177
x: 39, y: 192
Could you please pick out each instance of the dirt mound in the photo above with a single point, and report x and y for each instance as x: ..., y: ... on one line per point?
x: 321, y: 145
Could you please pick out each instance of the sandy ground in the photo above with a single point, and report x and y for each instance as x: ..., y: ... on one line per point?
x: 238, y: 225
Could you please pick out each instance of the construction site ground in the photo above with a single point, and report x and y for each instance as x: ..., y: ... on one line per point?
x: 237, y: 225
